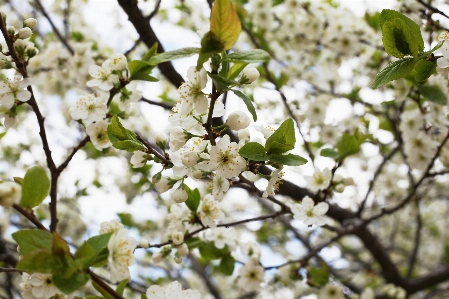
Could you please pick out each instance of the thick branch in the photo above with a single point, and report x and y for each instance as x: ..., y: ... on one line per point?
x: 148, y: 36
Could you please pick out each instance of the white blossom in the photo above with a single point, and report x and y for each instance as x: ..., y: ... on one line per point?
x: 89, y: 108
x: 38, y: 286
x: 139, y: 159
x: 331, y: 291
x: 273, y: 183
x: 222, y: 236
x: 118, y: 62
x: 103, y: 76
x: 30, y: 22
x: 309, y: 213
x: 238, y: 120
x: 10, y: 193
x: 98, y: 133
x: 191, y: 92
x: 320, y: 179
x: 173, y: 290
x: 10, y: 91
x: 219, y: 186
x: 225, y: 159
x: 180, y: 195
x: 121, y: 255
x: 177, y: 237
x: 183, y: 249
x: 249, y: 75
x: 251, y: 275
x: 110, y: 226
x: 209, y: 211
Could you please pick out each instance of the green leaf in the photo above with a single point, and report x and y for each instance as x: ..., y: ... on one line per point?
x: 117, y: 132
x: 91, y: 249
x: 122, y: 138
x: 129, y: 145
x: 254, y: 151
x: 398, y: 40
x: 289, y: 159
x: 249, y: 56
x: 102, y: 291
x: 433, y: 93
x: 236, y: 69
x: 126, y: 219
x: 247, y: 101
x: 412, y: 27
x: 330, y: 153
x: 193, y: 243
x: 32, y: 239
x: 219, y: 82
x: 194, y: 197
x: 395, y: 70
x: 347, y: 145
x: 121, y: 287
x: 283, y: 139
x: 227, y: 265
x: 318, y: 276
x: 71, y: 283
x: 35, y: 187
x: 139, y: 66
x: 424, y: 69
x: 151, y: 52
x: 209, y: 252
x: 172, y: 55
x: 211, y: 44
x: 225, y: 23
x: 142, y: 76
x: 40, y: 261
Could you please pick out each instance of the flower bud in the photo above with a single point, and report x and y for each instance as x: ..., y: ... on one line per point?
x: 163, y: 185
x: 118, y: 62
x: 31, y: 51
x: 348, y: 181
x: 157, y: 257
x: 11, y: 30
x: 243, y: 134
x: 238, y: 120
x: 2, y: 13
x: 249, y: 75
x: 340, y: 188
x: 178, y: 259
x: 161, y: 141
x: 144, y: 243
x: 177, y: 237
x: 30, y: 23
x: 139, y: 159
x: 198, y: 174
x: 189, y: 159
x: 156, y: 178
x: 25, y: 33
x: 180, y: 196
x: 183, y: 249
x: 10, y: 193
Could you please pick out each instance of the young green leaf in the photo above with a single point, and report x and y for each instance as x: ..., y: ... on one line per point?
x: 247, y: 101
x: 129, y: 145
x: 330, y: 153
x: 236, y: 69
x: 40, y: 261
x: 433, y: 93
x: 283, y: 139
x: 71, y: 283
x: 254, y: 151
x: 208, y: 251
x: 91, y: 249
x: 32, y: 239
x: 347, y: 145
x: 396, y: 70
x: 424, y: 69
x: 150, y: 53
x: 397, y: 39
x: 35, y: 187
x: 122, y: 138
x: 412, y: 27
x: 219, y: 82
x: 139, y: 66
x: 318, y: 276
x: 289, y: 159
x: 172, y: 55
x: 121, y: 287
x: 227, y: 265
x: 193, y: 200
x: 225, y: 23
x: 249, y: 56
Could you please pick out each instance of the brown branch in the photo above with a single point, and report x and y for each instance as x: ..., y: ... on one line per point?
x: 199, y: 269
x: 160, y: 104
x: 74, y: 151
x: 148, y: 36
